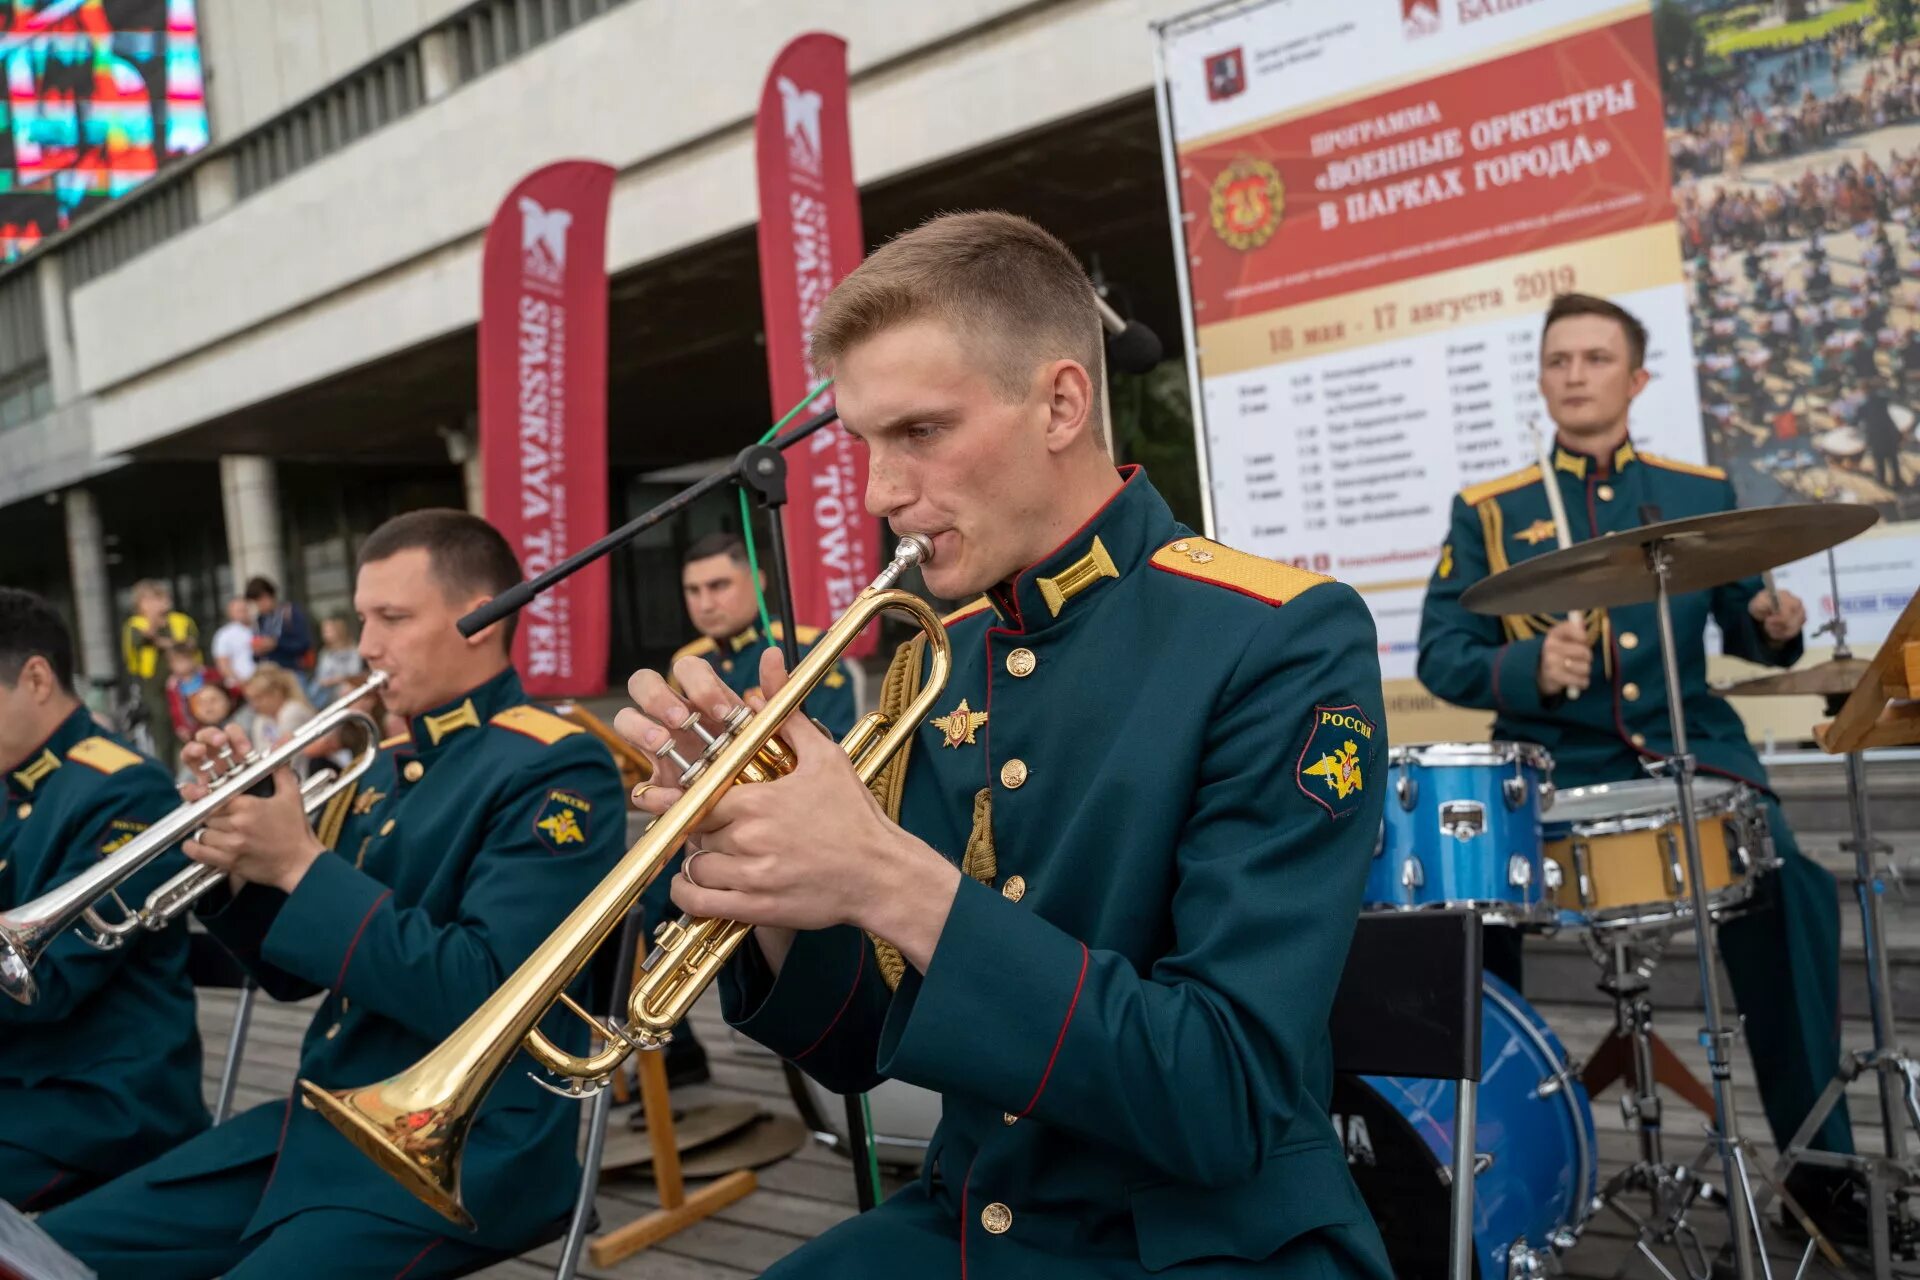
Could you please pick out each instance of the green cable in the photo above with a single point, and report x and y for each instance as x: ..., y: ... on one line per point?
x: 746, y: 522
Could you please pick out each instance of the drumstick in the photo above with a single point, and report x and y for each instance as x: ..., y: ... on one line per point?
x: 1558, y: 506
x: 1773, y: 596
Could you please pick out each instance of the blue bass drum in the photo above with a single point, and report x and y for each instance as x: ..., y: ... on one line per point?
x: 1538, y: 1167
x: 1462, y: 830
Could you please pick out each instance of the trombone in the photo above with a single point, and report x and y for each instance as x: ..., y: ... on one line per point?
x: 27, y: 930
x: 414, y: 1125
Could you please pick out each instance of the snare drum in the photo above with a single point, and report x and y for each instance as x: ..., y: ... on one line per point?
x: 1463, y: 830
x: 1621, y: 856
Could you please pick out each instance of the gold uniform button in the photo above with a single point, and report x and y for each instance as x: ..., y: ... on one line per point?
x: 386, y: 828
x: 1604, y: 493
x: 1630, y: 691
x: 1020, y: 663
x: 1639, y: 739
x: 24, y: 810
x: 1013, y: 774
x: 1014, y: 889
x: 1008, y: 1118
x: 414, y: 771
x: 1628, y: 640
x: 1181, y: 546
x: 996, y: 1218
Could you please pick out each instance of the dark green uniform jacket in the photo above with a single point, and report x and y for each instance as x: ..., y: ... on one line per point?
x: 102, y: 1071
x: 738, y: 662
x: 470, y: 839
x: 1491, y: 663
x: 1158, y: 759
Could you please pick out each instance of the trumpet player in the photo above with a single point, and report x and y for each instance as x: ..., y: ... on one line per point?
x: 101, y: 1072
x: 1103, y: 906
x: 466, y: 843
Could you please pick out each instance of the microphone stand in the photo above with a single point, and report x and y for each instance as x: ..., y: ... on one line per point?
x: 760, y: 469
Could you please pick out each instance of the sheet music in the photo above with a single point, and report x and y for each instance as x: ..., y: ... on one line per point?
x: 28, y: 1253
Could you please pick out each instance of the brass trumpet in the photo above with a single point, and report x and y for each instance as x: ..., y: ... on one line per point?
x: 26, y: 931
x: 414, y: 1125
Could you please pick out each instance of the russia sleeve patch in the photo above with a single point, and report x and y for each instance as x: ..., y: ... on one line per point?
x: 1332, y: 764
x: 562, y: 821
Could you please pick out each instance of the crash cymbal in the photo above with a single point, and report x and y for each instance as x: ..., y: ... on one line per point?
x: 1705, y: 551
x: 693, y: 1128
x: 1835, y: 677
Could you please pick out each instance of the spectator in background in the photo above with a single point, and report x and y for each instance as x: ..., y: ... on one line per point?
x: 155, y: 628
x: 279, y: 705
x: 187, y: 676
x: 340, y: 666
x: 233, y: 644
x: 1883, y: 440
x: 282, y: 634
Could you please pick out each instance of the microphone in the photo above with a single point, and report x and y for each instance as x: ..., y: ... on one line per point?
x: 1131, y: 346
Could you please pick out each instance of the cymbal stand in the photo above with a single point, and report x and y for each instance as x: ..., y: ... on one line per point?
x: 1750, y: 1259
x: 1898, y: 1075
x: 1671, y: 1190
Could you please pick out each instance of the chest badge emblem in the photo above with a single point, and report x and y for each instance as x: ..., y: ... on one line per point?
x: 1536, y: 533
x: 959, y: 725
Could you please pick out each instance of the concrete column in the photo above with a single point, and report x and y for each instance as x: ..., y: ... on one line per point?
x: 63, y: 370
x: 463, y: 449
x: 438, y: 66
x: 92, y: 596
x: 216, y: 187
x: 250, y: 497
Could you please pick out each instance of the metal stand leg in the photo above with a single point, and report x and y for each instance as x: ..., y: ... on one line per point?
x: 1750, y: 1258
x: 236, y: 1050
x: 598, y: 1111
x: 1466, y: 1125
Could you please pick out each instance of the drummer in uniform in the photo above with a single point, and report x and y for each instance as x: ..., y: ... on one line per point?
x: 1592, y: 690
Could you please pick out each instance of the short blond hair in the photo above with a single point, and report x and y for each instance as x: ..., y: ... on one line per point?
x: 1013, y: 293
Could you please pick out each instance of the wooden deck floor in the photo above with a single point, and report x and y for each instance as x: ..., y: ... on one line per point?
x: 809, y: 1192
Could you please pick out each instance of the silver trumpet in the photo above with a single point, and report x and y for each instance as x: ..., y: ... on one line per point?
x: 27, y: 930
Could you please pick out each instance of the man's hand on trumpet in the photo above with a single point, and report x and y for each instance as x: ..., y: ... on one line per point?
x: 806, y: 851
x: 264, y: 839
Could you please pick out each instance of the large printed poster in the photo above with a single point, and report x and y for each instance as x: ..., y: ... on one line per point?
x: 1380, y: 199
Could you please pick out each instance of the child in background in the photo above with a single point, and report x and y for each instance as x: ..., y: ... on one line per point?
x: 189, y: 678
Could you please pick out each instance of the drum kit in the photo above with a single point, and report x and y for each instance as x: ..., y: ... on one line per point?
x: 1625, y: 866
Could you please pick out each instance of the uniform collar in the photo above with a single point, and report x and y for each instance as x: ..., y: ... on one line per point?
x: 432, y: 729
x: 32, y: 772
x: 1579, y: 464
x: 1120, y: 537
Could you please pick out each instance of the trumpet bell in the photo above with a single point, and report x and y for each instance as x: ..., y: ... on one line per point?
x: 16, y: 969
x: 417, y: 1146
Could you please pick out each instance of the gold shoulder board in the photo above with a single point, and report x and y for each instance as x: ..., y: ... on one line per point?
x: 803, y: 633
x: 104, y: 754
x: 1205, y: 560
x: 1520, y: 479
x: 967, y: 611
x: 693, y: 649
x: 541, y: 726
x: 1684, y: 468
x: 395, y: 740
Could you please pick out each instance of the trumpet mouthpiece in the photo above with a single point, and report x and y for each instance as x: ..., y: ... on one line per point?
x: 914, y: 548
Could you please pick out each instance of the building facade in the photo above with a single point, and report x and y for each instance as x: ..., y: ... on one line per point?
x: 245, y: 364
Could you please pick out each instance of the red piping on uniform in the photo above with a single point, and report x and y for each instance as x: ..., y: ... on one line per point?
x: 364, y: 920
x: 986, y: 726
x: 963, y: 1215
x: 278, y: 1147
x: 859, y: 968
x: 45, y: 1187
x: 437, y: 1242
x: 1062, y: 1037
